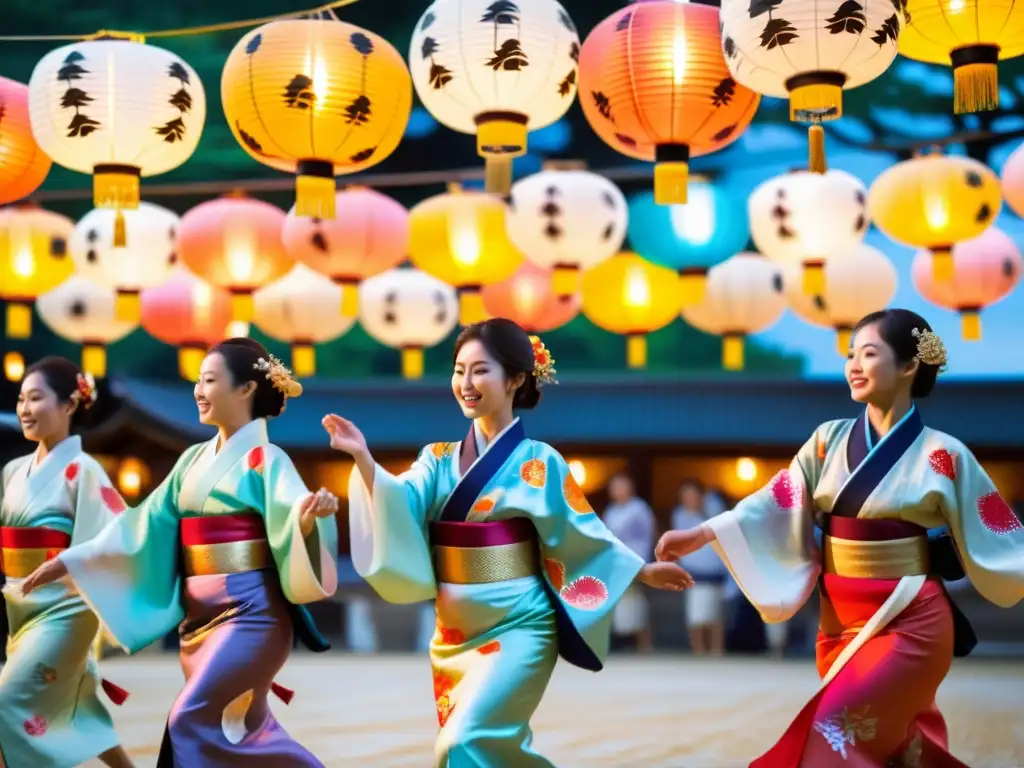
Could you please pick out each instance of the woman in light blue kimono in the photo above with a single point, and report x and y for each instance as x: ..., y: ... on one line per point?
x: 230, y: 546
x: 498, y: 531
x: 56, y: 497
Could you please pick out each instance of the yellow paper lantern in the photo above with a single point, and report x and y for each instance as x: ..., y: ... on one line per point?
x: 972, y: 36
x: 632, y: 297
x: 33, y: 260
x: 14, y: 366
x: 317, y: 98
x: 460, y: 237
x: 934, y: 202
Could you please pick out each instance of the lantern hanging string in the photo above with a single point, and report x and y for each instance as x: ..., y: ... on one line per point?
x: 205, y: 29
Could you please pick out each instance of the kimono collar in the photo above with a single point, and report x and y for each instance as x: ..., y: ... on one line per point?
x: 207, y: 470
x: 59, y: 455
x: 475, y: 445
x: 871, y: 436
x: 251, y: 435
x: 481, y: 439
x: 39, y: 476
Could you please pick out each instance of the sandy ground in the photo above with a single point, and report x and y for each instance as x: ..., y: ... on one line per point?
x: 659, y: 712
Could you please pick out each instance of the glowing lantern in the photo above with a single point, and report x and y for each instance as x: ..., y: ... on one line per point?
x: 496, y: 69
x: 809, y: 52
x: 691, y: 238
x: 14, y: 366
x: 234, y: 242
x: 859, y: 281
x: 33, y: 260
x: 934, y: 201
x: 118, y: 109
x: 1013, y: 181
x: 744, y: 295
x: 23, y: 165
x: 985, y: 269
x: 654, y: 86
x: 147, y: 259
x: 970, y: 35
x: 81, y: 311
x: 567, y: 221
x: 803, y: 217
x: 318, y: 98
x: 409, y: 310
x: 368, y: 235
x: 529, y: 299
x: 187, y: 313
x: 460, y: 238
x: 632, y: 297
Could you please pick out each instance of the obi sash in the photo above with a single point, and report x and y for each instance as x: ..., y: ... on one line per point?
x: 484, y: 553
x: 22, y: 550
x: 477, y: 471
x: 873, y: 549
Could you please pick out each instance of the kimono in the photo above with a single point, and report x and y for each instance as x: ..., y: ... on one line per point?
x: 217, y: 549
x: 522, y: 570
x: 50, y: 710
x: 887, y: 627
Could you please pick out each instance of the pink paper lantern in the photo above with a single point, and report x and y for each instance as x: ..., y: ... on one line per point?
x: 1013, y: 181
x: 528, y: 298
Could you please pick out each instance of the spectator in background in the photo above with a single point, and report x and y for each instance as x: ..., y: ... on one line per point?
x: 705, y: 600
x: 631, y: 520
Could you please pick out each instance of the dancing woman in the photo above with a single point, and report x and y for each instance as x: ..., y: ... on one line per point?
x: 56, y: 497
x: 230, y: 545
x: 496, y: 529
x: 874, y: 485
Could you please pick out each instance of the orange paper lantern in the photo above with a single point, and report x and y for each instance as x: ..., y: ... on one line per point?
x: 23, y: 165
x: 654, y: 85
x: 529, y: 299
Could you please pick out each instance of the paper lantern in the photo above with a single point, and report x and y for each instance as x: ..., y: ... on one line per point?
x: 146, y: 261
x: 934, y: 201
x: 1013, y: 181
x: 188, y: 313
x: 23, y: 165
x: 654, y: 86
x: 691, y: 238
x: 234, y: 242
x: 632, y: 297
x: 81, y: 311
x: 972, y: 36
x: 119, y: 110
x: 529, y: 299
x: 33, y: 260
x: 809, y: 52
x: 460, y: 237
x: 301, y: 309
x: 804, y: 217
x: 986, y: 269
x: 368, y: 235
x: 858, y: 282
x: 495, y: 69
x: 744, y: 295
x: 409, y: 310
x: 317, y: 98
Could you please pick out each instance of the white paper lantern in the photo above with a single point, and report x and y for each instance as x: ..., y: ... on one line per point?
x: 79, y: 310
x: 409, y: 310
x: 743, y: 295
x: 119, y: 110
x: 496, y: 69
x: 858, y: 282
x: 804, y: 217
x: 567, y: 221
x: 301, y: 309
x: 146, y: 261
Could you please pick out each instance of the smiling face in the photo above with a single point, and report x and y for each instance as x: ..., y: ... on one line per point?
x: 479, y: 382
x: 872, y: 370
x: 220, y: 402
x: 42, y: 415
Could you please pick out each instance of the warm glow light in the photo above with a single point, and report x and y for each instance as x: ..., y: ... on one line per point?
x: 131, y: 476
x: 746, y: 469
x: 679, y: 58
x: 463, y: 235
x: 955, y: 6
x: 936, y: 211
x: 24, y: 263
x: 203, y: 306
x: 694, y: 222
x: 637, y: 292
x: 14, y: 366
x: 526, y: 298
x: 319, y: 77
x: 578, y: 470
x: 237, y: 329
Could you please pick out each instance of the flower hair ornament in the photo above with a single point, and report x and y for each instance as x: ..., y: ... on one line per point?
x: 543, y: 362
x: 279, y: 376
x: 85, y: 395
x: 930, y: 349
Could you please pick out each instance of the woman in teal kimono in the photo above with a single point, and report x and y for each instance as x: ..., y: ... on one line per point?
x: 50, y: 711
x: 230, y: 547
x: 497, y: 530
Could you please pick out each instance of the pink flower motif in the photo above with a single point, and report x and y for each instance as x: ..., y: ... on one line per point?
x: 71, y: 471
x: 488, y: 648
x: 35, y: 726
x: 586, y: 593
x: 256, y: 459
x: 113, y: 500
x: 997, y: 515
x: 943, y: 462
x: 785, y: 491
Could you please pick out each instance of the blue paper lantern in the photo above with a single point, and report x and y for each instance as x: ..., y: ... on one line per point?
x: 690, y: 238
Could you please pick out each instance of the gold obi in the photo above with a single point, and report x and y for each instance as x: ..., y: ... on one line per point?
x: 484, y: 553
x: 880, y: 559
x: 22, y: 550
x: 219, y: 545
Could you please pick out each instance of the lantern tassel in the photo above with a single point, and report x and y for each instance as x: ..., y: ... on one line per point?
x: 691, y: 288
x: 120, y: 235
x: 303, y: 359
x: 349, y: 299
x: 315, y: 197
x: 565, y: 280
x: 844, y: 335
x: 814, y: 278
x: 816, y: 102
x: 128, y: 306
x: 471, y: 305
x: 116, y: 186
x: 242, y: 307
x: 816, y: 149
x: 975, y: 88
x: 670, y: 182
x: 970, y: 324
x: 190, y: 360
x: 498, y: 174
x: 636, y: 350
x: 412, y: 363
x: 942, y: 264
x: 732, y: 352
x: 19, y: 320
x: 94, y: 359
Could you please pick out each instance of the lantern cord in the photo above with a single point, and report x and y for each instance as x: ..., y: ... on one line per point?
x: 320, y: 10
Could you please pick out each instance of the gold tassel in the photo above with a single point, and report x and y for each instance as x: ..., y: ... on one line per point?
x: 843, y: 337
x: 471, y: 305
x: 816, y: 149
x: 120, y: 235
x: 732, y: 352
x: 498, y: 174
x: 190, y: 360
x: 636, y: 350
x: 115, y: 186
x: 349, y: 299
x: 670, y: 181
x: 818, y: 101
x: 94, y: 359
x: 19, y: 320
x: 691, y: 288
x: 242, y: 307
x: 970, y: 324
x: 975, y: 88
x: 128, y: 306
x: 412, y: 363
x: 814, y: 278
x: 565, y: 280
x: 14, y: 366
x: 315, y: 197
x: 942, y: 264
x: 303, y: 359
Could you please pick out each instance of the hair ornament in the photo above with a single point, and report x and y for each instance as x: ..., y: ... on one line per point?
x: 543, y: 362
x: 930, y: 349
x: 279, y: 376
x: 85, y: 395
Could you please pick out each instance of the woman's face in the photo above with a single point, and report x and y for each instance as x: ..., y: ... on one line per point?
x: 219, y: 401
x: 41, y: 414
x: 479, y: 383
x: 872, y: 371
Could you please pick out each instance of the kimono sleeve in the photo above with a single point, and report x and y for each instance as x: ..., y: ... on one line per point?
x: 96, y: 502
x: 307, y: 566
x: 388, y: 530
x: 988, y: 533
x: 128, y: 573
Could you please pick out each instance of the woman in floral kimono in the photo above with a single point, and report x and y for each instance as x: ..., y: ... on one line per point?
x: 56, y: 497
x: 230, y: 545
x: 875, y: 485
x: 495, y: 528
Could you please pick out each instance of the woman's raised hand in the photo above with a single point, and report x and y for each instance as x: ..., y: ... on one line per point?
x: 345, y: 436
